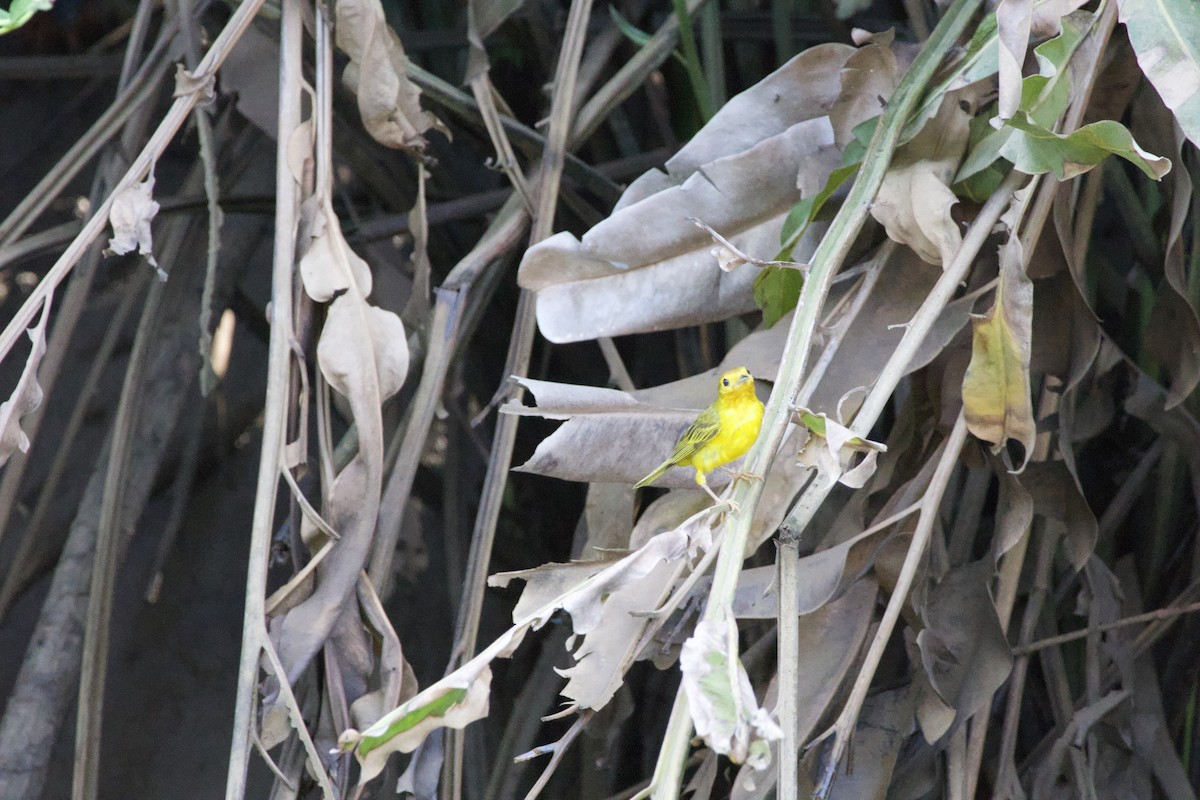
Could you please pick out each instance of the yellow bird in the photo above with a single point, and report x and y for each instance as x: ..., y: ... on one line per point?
x: 723, y: 432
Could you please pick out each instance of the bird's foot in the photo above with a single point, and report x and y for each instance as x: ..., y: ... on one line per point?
x: 739, y: 475
x: 721, y: 504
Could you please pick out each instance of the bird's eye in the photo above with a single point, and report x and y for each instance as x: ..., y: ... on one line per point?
x: 725, y: 381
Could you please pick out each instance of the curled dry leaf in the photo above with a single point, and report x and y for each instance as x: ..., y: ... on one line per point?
x: 721, y: 699
x: 462, y: 696
x: 867, y: 81
x: 132, y: 209
x: 914, y: 201
x: 996, y: 393
x: 363, y: 354
x: 615, y: 279
x: 1013, y: 19
x: 1173, y: 335
x: 389, y: 102
x: 831, y: 447
x: 27, y: 395
x: 963, y: 648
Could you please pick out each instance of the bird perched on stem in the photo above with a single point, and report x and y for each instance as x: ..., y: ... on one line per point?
x: 723, y: 432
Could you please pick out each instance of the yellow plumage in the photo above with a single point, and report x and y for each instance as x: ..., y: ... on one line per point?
x: 722, y: 433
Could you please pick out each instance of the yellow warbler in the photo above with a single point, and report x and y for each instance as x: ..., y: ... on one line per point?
x: 723, y: 432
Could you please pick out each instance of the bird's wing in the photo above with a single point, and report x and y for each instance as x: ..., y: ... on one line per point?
x: 699, y: 434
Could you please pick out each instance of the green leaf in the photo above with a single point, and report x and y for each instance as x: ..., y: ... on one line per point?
x: 983, y: 184
x: 437, y: 708
x: 21, y: 11
x: 804, y: 212
x: 1165, y: 35
x: 1037, y: 150
x: 635, y: 34
x: 1044, y: 97
x: 776, y: 292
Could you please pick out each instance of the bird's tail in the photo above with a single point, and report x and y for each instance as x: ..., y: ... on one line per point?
x: 659, y: 471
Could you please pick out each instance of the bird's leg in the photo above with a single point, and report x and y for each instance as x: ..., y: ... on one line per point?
x: 704, y: 485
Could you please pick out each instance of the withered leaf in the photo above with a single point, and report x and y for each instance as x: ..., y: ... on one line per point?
x: 914, y: 201
x: 996, y: 392
x: 389, y: 102
x: 27, y: 395
x: 721, y: 699
x: 132, y: 209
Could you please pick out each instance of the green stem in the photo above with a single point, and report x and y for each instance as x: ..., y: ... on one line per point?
x: 691, y: 55
x: 825, y: 263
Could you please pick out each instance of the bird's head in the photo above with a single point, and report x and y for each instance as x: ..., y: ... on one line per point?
x: 735, y: 380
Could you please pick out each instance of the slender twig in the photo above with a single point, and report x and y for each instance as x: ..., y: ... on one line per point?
x: 99, y: 611
x: 787, y: 557
x: 517, y: 363
x: 276, y: 404
x: 141, y: 166
x: 1137, y: 619
x: 932, y: 499
x: 212, y: 195
x: 557, y: 751
x: 481, y: 88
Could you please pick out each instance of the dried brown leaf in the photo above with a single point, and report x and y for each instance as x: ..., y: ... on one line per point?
x: 867, y: 81
x: 914, y: 201
x: 963, y: 648
x: 720, y: 698
x: 647, y: 267
x: 27, y: 395
x: 389, y: 102
x: 132, y: 210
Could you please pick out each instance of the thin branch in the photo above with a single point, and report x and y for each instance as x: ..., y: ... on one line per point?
x: 141, y: 166
x: 1150, y: 616
x: 932, y: 499
x: 276, y: 403
x: 787, y: 557
x: 557, y: 751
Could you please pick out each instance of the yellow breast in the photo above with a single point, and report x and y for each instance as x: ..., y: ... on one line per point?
x: 741, y: 418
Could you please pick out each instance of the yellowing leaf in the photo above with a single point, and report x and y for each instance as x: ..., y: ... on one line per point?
x: 996, y: 393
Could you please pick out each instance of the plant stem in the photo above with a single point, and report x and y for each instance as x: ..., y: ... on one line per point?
x: 825, y: 263
x: 275, y: 412
x: 916, y: 551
